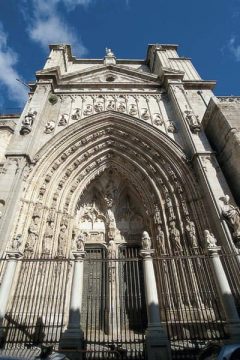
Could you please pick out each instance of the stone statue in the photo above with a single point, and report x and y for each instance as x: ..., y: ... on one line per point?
x: 28, y: 122
x: 62, y: 239
x: 133, y: 110
x: 171, y: 127
x: 16, y: 242
x: 161, y: 239
x: 48, y: 236
x: 210, y: 241
x: 157, y: 119
x: 111, y: 105
x: 63, y: 120
x: 157, y: 215
x: 109, y: 52
x: 98, y: 107
x: 88, y: 110
x: 175, y: 238
x: 145, y: 114
x: 77, y: 114
x: 146, y: 241
x: 112, y: 250
x: 232, y: 216
x: 191, y: 233
x: 33, y: 233
x: 49, y: 127
x: 80, y: 242
x: 192, y: 121
x: 122, y: 107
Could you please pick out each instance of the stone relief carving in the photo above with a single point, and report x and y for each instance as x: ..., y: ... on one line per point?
x: 146, y: 241
x: 27, y: 122
x: 232, y: 215
x: 209, y: 239
x: 49, y: 127
x: 175, y: 237
x: 192, y: 121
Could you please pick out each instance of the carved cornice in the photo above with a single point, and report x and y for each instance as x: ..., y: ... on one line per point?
x: 8, y: 125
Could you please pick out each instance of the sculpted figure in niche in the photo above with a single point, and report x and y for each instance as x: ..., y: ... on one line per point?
x: 111, y: 105
x: 210, y: 241
x: 16, y: 242
x: 146, y: 241
x: 191, y: 233
x: 133, y: 110
x: 122, y: 107
x: 170, y: 207
x: 157, y: 120
x: 77, y: 114
x: 80, y: 242
x: 175, y: 238
x: 49, y: 127
x: 88, y: 110
x: 232, y: 215
x: 145, y: 114
x: 62, y: 239
x: 33, y: 233
x: 63, y: 120
x: 161, y: 239
x: 98, y: 107
x: 47, y: 239
x: 157, y: 215
x: 112, y: 250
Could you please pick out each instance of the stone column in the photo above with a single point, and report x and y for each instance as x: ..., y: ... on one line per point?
x: 73, y: 336
x: 156, y: 339
x: 6, y: 285
x: 225, y: 293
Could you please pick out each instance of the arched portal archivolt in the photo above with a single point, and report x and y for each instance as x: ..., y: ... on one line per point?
x: 71, y: 162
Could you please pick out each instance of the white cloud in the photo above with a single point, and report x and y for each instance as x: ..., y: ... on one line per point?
x: 234, y: 48
x: 48, y: 27
x: 8, y: 72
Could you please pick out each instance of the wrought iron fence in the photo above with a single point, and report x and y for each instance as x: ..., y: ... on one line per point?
x: 113, y: 315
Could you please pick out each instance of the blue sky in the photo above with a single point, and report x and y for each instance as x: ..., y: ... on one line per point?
x: 208, y: 31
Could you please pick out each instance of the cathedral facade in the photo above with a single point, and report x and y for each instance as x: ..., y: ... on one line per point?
x: 119, y: 231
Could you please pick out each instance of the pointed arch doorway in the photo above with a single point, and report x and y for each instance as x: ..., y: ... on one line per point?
x: 111, y: 217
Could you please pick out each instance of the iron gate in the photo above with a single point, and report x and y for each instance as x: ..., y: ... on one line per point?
x: 113, y: 308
